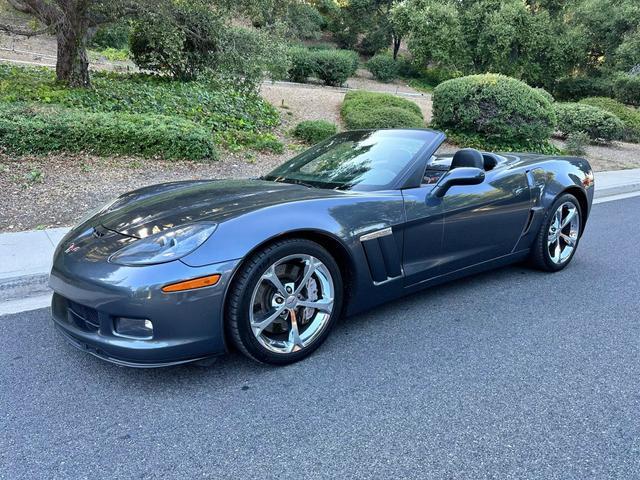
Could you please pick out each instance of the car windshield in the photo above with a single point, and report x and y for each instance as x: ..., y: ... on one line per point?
x: 360, y: 160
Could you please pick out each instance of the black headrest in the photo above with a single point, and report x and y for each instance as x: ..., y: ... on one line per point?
x: 467, y: 157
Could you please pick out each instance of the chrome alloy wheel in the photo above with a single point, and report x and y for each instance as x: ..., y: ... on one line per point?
x: 562, y: 237
x: 291, y: 303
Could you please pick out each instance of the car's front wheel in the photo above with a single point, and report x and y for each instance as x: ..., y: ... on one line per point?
x: 284, y: 301
x: 559, y: 235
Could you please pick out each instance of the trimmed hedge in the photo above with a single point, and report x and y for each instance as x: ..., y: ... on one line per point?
x: 383, y: 67
x: 362, y: 109
x: 627, y: 89
x: 600, y: 125
x: 29, y: 129
x: 314, y: 131
x: 331, y: 66
x: 630, y: 116
x: 545, y: 94
x: 503, y: 111
x: 576, y: 88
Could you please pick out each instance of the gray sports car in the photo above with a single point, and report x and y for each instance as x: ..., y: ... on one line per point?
x: 182, y: 271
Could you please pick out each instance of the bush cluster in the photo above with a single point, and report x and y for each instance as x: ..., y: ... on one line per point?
x: 29, y: 129
x: 627, y: 89
x: 383, y: 67
x: 232, y: 117
x: 576, y: 88
x: 495, y: 110
x: 331, y: 66
x: 600, y: 125
x: 314, y: 131
x: 630, y: 117
x: 362, y: 109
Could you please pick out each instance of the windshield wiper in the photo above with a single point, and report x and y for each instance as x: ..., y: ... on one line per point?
x: 292, y: 181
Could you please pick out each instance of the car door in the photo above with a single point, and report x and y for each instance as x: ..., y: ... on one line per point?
x: 422, y: 252
x: 483, y: 222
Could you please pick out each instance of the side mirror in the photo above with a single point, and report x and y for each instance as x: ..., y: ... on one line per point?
x: 458, y: 176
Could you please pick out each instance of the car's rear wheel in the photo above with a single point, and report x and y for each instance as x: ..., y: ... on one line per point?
x: 559, y: 235
x: 284, y: 301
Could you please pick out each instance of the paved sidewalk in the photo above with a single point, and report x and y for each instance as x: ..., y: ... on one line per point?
x: 25, y: 257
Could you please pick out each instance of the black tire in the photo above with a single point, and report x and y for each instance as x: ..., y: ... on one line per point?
x: 241, y: 291
x: 540, y: 257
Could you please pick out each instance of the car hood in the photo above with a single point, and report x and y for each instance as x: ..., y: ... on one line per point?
x: 152, y: 209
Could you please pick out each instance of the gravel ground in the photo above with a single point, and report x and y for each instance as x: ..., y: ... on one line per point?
x: 514, y: 374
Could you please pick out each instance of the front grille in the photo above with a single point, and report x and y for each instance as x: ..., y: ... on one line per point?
x: 73, y: 313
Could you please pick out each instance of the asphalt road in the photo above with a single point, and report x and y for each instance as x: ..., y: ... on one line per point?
x: 511, y: 374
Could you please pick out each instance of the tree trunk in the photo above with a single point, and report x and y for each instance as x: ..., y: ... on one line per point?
x: 72, y: 65
x: 396, y: 46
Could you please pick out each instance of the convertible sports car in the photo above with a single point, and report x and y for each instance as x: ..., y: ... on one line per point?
x: 182, y: 271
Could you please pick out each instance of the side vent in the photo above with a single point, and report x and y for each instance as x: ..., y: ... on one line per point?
x: 382, y: 255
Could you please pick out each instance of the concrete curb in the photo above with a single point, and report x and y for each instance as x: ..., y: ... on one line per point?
x: 26, y: 256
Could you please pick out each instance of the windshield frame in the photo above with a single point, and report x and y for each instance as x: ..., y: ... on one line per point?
x: 432, y: 140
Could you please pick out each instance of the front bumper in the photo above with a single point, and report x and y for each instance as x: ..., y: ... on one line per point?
x: 187, y: 326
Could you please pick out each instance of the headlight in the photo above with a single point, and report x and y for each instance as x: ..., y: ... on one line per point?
x: 95, y: 211
x: 164, y: 246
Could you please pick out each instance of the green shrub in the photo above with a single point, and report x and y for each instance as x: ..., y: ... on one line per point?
x: 304, y: 21
x: 231, y: 115
x: 600, y: 125
x: 314, y: 131
x: 627, y: 89
x: 383, y: 117
x: 501, y: 110
x: 302, y: 65
x: 374, y: 41
x: 181, y: 43
x: 112, y: 35
x: 329, y: 65
x: 383, y: 67
x: 334, y: 67
x: 406, y: 67
x: 630, y: 116
x: 245, y: 55
x: 576, y: 143
x: 362, y: 109
x: 576, y: 88
x: 545, y: 94
x: 31, y: 129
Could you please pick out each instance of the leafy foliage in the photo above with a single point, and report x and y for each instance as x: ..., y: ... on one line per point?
x: 498, y: 110
x: 575, y: 88
x: 31, y: 129
x: 362, y: 109
x: 234, y: 118
x: 576, y: 143
x: 112, y: 35
x: 332, y: 66
x: 545, y: 94
x: 314, y: 131
x: 180, y: 41
x: 630, y: 117
x: 600, y: 125
x: 627, y: 89
x: 383, y: 67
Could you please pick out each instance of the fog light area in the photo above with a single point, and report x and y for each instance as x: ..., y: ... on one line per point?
x: 134, y: 328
